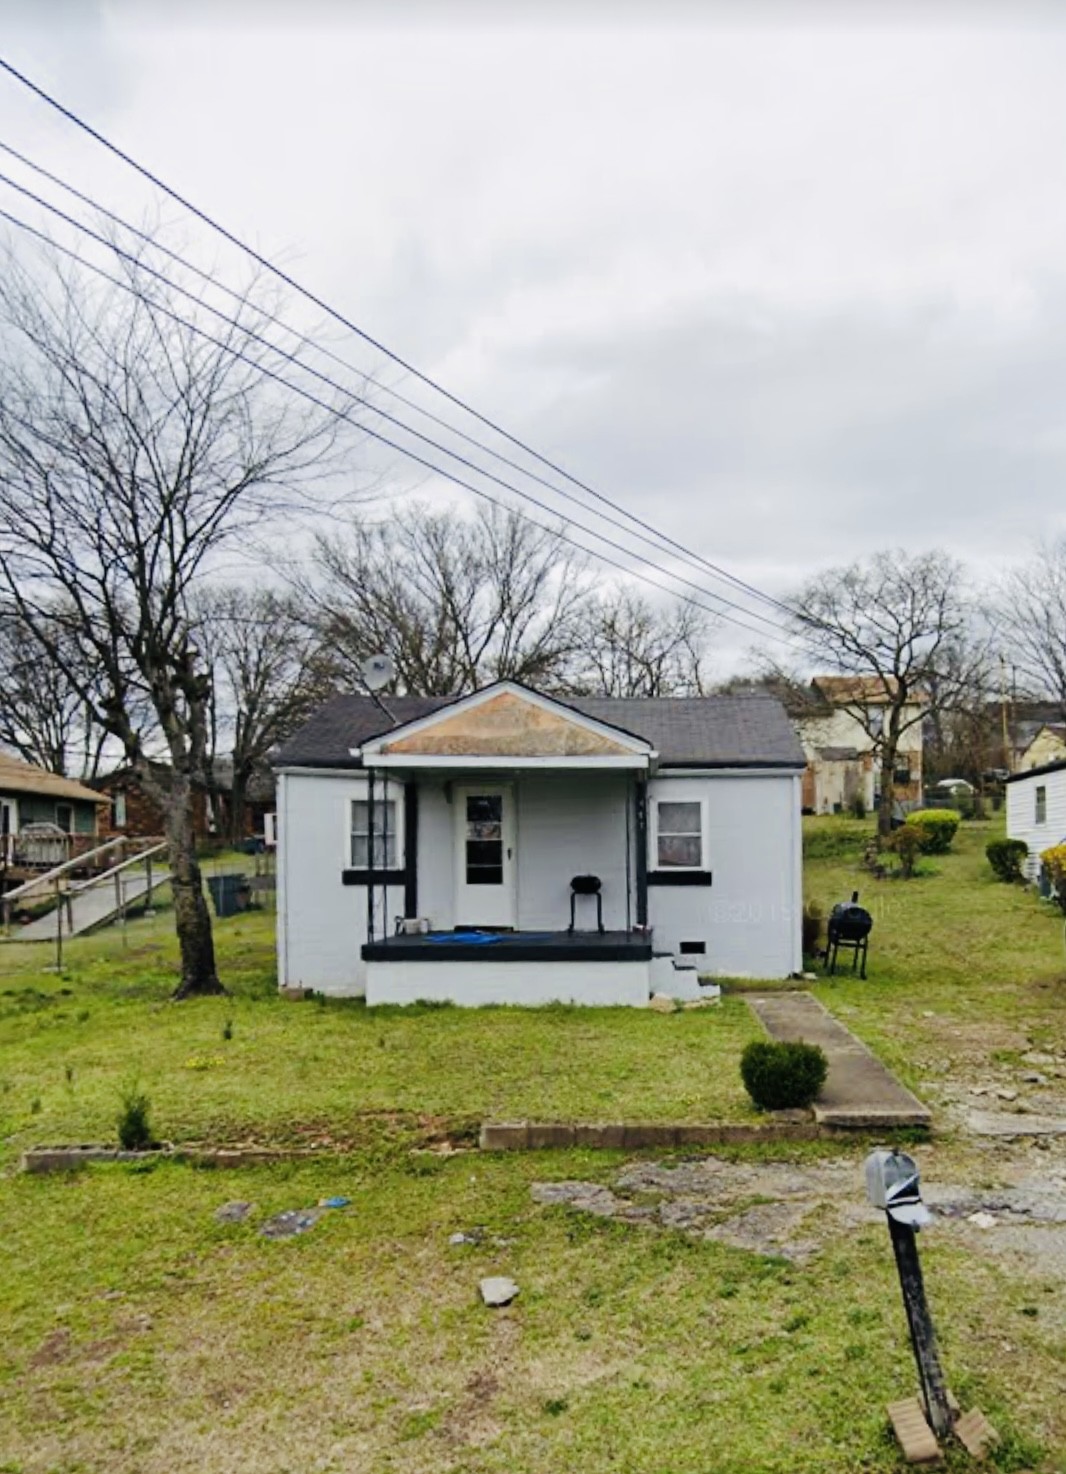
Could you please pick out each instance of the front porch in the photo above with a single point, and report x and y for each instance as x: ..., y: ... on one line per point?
x: 612, y: 967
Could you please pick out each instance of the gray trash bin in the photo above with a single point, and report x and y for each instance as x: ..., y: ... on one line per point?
x: 230, y: 893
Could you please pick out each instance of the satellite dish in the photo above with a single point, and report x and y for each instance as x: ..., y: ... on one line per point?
x: 377, y: 672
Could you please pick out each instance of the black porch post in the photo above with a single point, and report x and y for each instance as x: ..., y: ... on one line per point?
x: 410, y: 844
x: 642, y: 851
x: 370, y: 854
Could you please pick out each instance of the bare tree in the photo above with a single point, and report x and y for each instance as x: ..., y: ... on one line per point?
x: 44, y: 717
x: 267, y: 678
x: 132, y: 449
x: 899, y: 624
x: 633, y: 648
x: 1031, y: 613
x: 454, y: 601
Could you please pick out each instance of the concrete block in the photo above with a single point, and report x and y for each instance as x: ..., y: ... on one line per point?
x: 545, y: 1134
x: 915, y: 1436
x: 976, y: 1433
x: 504, y: 1136
x: 651, y: 1136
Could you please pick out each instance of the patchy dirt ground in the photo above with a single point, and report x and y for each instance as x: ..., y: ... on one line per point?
x: 1004, y: 1198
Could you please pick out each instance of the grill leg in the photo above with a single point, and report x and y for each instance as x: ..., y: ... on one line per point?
x: 865, y: 944
x: 599, y: 911
x: 573, y: 903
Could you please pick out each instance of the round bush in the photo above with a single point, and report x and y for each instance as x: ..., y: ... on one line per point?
x: 1007, y: 856
x: 941, y: 827
x: 779, y: 1077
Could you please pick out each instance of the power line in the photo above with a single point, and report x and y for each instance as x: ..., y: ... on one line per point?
x: 464, y: 461
x: 223, y: 287
x: 353, y: 327
x: 373, y: 434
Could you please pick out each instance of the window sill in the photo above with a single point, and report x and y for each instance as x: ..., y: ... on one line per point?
x: 381, y: 877
x: 680, y: 877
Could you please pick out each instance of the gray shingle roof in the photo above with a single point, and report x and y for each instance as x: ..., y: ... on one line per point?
x: 749, y: 730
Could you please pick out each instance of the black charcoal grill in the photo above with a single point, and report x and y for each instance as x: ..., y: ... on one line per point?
x: 849, y: 927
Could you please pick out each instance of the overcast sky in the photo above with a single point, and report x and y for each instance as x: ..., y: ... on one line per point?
x: 789, y: 281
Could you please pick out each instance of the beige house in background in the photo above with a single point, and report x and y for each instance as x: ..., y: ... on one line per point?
x: 1048, y: 746
x: 838, y: 728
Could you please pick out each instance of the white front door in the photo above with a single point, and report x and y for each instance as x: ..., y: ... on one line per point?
x: 485, y: 856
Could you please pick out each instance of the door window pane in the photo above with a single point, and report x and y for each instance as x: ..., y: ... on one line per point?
x: 484, y: 839
x: 679, y: 832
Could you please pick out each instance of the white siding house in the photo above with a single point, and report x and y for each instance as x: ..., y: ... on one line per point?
x: 433, y: 858
x: 1036, y: 810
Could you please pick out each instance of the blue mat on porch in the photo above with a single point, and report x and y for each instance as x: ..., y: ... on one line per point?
x: 483, y: 937
x: 466, y: 937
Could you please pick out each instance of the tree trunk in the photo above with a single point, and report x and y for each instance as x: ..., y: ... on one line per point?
x: 886, y: 802
x: 237, y: 807
x: 192, y: 919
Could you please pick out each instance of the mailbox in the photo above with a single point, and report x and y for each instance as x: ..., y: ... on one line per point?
x: 892, y: 1183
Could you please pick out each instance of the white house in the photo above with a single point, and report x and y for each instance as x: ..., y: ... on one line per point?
x: 1036, y: 810
x: 840, y: 723
x: 426, y: 847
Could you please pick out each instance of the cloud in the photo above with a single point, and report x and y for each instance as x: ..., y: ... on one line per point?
x: 792, y: 290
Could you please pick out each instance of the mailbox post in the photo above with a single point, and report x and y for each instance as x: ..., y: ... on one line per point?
x: 892, y: 1183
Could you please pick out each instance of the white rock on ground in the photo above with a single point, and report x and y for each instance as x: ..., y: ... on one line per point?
x: 498, y: 1290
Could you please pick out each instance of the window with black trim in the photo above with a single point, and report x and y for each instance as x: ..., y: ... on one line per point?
x: 384, y: 832
x: 1041, y: 804
x: 679, y: 834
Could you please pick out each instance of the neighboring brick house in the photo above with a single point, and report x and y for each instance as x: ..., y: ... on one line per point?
x: 838, y: 719
x: 134, y: 812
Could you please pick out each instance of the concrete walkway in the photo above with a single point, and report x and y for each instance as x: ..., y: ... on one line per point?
x: 859, y: 1093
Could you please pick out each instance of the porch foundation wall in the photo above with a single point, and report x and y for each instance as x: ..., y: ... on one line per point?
x: 528, y: 984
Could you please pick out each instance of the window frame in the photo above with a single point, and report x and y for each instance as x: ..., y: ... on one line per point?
x: 396, y: 835
x: 119, y: 814
x: 1040, y: 804
x: 656, y: 865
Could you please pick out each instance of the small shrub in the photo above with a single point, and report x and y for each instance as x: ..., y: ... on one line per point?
x: 907, y: 843
x: 1007, y: 857
x: 134, y: 1124
x: 1054, y: 861
x: 813, y: 922
x: 781, y: 1076
x: 857, y: 806
x: 940, y: 828
x: 227, y: 1029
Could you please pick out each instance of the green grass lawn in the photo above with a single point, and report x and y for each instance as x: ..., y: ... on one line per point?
x: 293, y: 1071
x: 964, y: 971
x: 143, y: 1337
